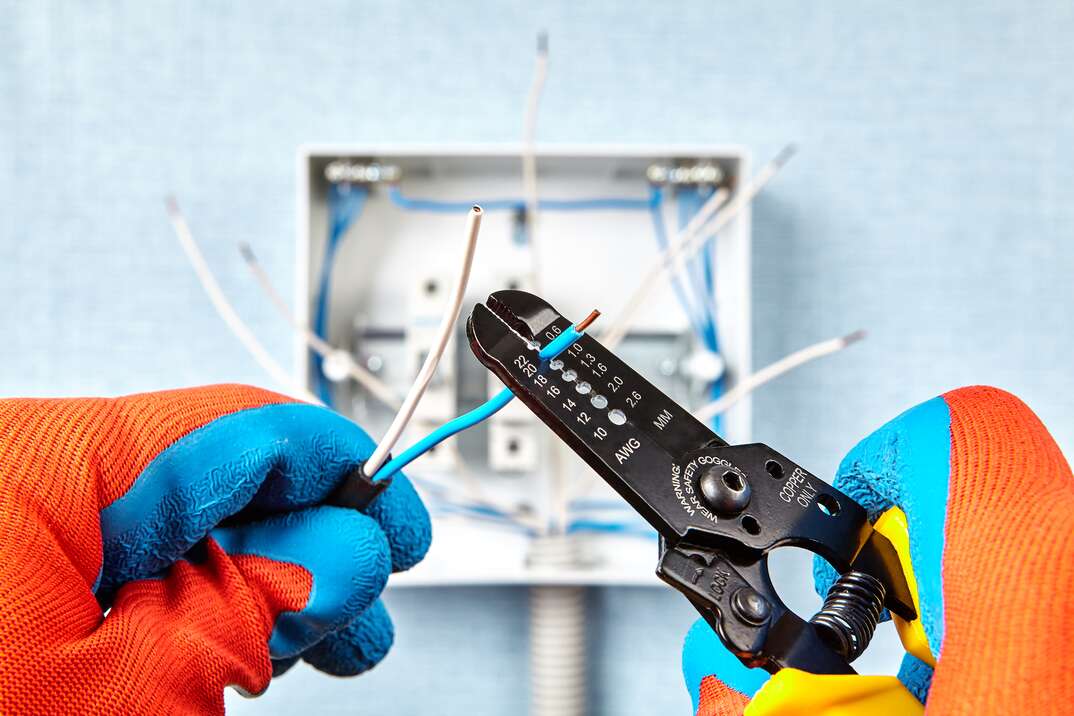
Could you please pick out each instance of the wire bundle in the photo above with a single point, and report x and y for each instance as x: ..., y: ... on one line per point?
x: 345, y: 205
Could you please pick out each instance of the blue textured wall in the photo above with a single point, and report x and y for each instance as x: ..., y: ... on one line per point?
x: 932, y: 203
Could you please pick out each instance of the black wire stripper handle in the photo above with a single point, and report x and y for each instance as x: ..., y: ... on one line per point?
x: 719, y: 509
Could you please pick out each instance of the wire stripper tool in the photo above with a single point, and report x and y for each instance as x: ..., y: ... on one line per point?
x: 719, y: 509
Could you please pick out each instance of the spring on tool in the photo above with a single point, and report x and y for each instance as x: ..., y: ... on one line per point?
x: 850, y: 613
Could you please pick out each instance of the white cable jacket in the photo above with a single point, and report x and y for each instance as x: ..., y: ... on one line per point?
x: 428, y: 368
x: 690, y: 240
x: 773, y: 371
x: 529, y: 151
x: 376, y: 387
x: 227, y: 311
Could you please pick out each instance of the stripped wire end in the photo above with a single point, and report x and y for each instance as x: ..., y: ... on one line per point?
x: 248, y: 254
x: 854, y: 337
x: 542, y: 43
x: 784, y: 155
x: 587, y: 321
x: 172, y: 207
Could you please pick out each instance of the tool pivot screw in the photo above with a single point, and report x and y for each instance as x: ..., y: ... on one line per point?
x: 725, y: 490
x: 750, y: 606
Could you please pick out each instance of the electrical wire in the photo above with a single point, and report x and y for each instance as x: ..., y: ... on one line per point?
x: 484, y: 514
x: 671, y: 260
x: 474, y: 506
x: 224, y: 308
x: 656, y: 213
x: 457, y: 425
x: 621, y: 528
x: 689, y: 201
x: 529, y: 148
x: 345, y: 205
x: 774, y: 370
x: 690, y: 239
x: 432, y: 358
x: 376, y: 387
x: 699, y: 271
x: 475, y: 416
x: 438, y: 206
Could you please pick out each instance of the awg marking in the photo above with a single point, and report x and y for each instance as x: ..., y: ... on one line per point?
x: 623, y: 454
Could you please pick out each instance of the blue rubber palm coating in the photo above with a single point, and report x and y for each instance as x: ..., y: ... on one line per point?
x: 703, y: 654
x: 345, y: 552
x: 277, y: 457
x: 907, y: 463
x: 356, y: 648
x: 289, y: 458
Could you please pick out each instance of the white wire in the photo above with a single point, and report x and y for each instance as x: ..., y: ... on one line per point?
x: 428, y: 368
x: 376, y: 387
x: 773, y: 371
x: 529, y: 148
x: 226, y: 310
x: 693, y: 236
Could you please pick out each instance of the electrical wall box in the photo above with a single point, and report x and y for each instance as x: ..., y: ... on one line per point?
x: 391, y: 277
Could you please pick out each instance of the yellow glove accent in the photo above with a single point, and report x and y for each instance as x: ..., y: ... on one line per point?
x: 792, y: 692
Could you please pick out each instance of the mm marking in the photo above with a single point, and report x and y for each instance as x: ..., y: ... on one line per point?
x: 662, y: 419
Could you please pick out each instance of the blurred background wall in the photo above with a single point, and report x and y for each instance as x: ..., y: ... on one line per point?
x: 932, y: 203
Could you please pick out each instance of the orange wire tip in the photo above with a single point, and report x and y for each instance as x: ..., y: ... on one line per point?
x: 587, y: 321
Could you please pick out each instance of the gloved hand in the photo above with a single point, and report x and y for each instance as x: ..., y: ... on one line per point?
x: 115, y: 503
x: 989, y: 501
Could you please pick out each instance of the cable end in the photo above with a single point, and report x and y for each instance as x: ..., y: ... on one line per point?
x: 172, y: 206
x: 785, y: 155
x: 587, y: 321
x: 475, y: 209
x: 247, y: 253
x: 854, y: 337
x: 542, y: 43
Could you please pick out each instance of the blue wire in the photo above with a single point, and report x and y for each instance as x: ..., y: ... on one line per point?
x: 444, y: 503
x: 656, y: 201
x: 690, y: 202
x: 486, y: 513
x: 345, y: 205
x: 452, y: 207
x: 472, y: 418
x: 609, y: 527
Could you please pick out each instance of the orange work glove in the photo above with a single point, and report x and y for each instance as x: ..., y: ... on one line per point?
x: 116, y: 504
x: 989, y: 502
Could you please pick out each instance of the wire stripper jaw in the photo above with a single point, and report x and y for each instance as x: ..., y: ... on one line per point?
x: 719, y: 509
